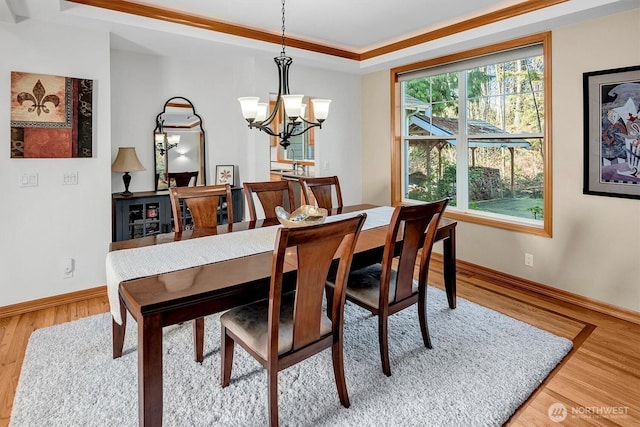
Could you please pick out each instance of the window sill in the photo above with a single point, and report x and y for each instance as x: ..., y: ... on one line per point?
x: 522, y: 226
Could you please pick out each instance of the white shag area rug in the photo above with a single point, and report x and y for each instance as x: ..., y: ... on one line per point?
x: 482, y: 367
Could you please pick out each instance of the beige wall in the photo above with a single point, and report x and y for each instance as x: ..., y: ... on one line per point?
x: 595, y: 248
x: 376, y: 131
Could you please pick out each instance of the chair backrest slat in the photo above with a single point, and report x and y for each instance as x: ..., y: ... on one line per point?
x: 418, y: 225
x: 321, y: 190
x: 204, y: 203
x: 270, y: 194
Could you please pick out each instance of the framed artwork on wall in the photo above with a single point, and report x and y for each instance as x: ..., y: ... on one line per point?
x: 225, y: 174
x: 51, y: 116
x: 612, y: 132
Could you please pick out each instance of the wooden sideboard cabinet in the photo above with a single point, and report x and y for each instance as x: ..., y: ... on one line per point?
x: 149, y: 212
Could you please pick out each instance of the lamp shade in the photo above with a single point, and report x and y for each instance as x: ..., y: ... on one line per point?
x: 292, y: 105
x: 126, y: 161
x: 321, y: 108
x: 302, y: 111
x: 263, y: 108
x: 249, y: 106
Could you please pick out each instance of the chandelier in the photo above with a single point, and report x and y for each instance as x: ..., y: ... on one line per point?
x: 294, y: 123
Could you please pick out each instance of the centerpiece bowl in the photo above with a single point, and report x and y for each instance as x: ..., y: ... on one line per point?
x: 303, y: 216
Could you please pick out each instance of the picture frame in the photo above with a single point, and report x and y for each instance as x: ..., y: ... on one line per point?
x: 225, y: 174
x: 51, y: 116
x: 612, y: 132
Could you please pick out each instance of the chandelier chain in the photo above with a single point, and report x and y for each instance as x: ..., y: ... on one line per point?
x: 283, y: 28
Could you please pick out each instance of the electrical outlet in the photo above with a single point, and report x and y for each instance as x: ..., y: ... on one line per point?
x: 528, y: 260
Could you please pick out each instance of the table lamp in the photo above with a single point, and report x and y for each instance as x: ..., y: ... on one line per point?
x: 126, y: 161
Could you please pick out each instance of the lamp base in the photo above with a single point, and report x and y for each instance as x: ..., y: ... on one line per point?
x: 126, y: 178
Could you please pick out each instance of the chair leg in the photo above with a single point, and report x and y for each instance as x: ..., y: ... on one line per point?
x: 226, y: 361
x: 198, y: 339
x: 118, y: 331
x: 329, y: 293
x: 422, y: 318
x: 272, y: 374
x: 384, y: 343
x: 338, y: 372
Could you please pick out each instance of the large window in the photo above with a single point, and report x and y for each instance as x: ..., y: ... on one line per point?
x: 475, y: 130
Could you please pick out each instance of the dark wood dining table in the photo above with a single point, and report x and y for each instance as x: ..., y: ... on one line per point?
x: 166, y: 299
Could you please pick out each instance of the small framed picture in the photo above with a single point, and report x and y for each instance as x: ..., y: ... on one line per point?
x: 225, y: 174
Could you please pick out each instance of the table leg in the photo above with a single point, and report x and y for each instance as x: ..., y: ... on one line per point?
x: 118, y: 331
x: 150, y: 371
x: 449, y: 252
x: 198, y: 339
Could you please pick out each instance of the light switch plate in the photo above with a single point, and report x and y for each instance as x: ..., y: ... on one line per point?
x: 29, y: 180
x: 70, y: 178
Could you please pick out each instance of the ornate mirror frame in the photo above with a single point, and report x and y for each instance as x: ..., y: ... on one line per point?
x: 179, y: 146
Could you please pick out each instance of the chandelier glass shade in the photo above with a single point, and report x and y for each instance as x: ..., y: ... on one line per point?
x: 289, y: 107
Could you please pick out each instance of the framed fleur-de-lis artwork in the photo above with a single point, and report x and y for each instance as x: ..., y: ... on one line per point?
x: 224, y: 174
x: 51, y: 116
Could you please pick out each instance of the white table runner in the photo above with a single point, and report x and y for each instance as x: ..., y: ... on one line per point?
x: 128, y: 264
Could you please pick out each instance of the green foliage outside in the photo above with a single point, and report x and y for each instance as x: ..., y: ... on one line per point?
x: 527, y: 202
x: 429, y: 188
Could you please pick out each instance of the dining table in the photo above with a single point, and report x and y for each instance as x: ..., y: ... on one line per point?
x: 170, y: 278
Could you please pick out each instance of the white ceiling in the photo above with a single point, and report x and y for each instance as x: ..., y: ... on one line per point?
x: 354, y: 25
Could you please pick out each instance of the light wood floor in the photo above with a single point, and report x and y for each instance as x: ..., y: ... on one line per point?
x: 598, y: 382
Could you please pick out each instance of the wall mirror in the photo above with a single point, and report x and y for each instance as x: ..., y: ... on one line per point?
x: 302, y: 148
x: 178, y: 140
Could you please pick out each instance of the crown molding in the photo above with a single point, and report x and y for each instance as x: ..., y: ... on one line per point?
x: 184, y: 18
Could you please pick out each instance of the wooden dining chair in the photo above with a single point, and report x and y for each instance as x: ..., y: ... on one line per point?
x: 183, y: 179
x: 205, y: 204
x: 290, y: 327
x: 385, y: 290
x: 270, y: 194
x: 320, y: 190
